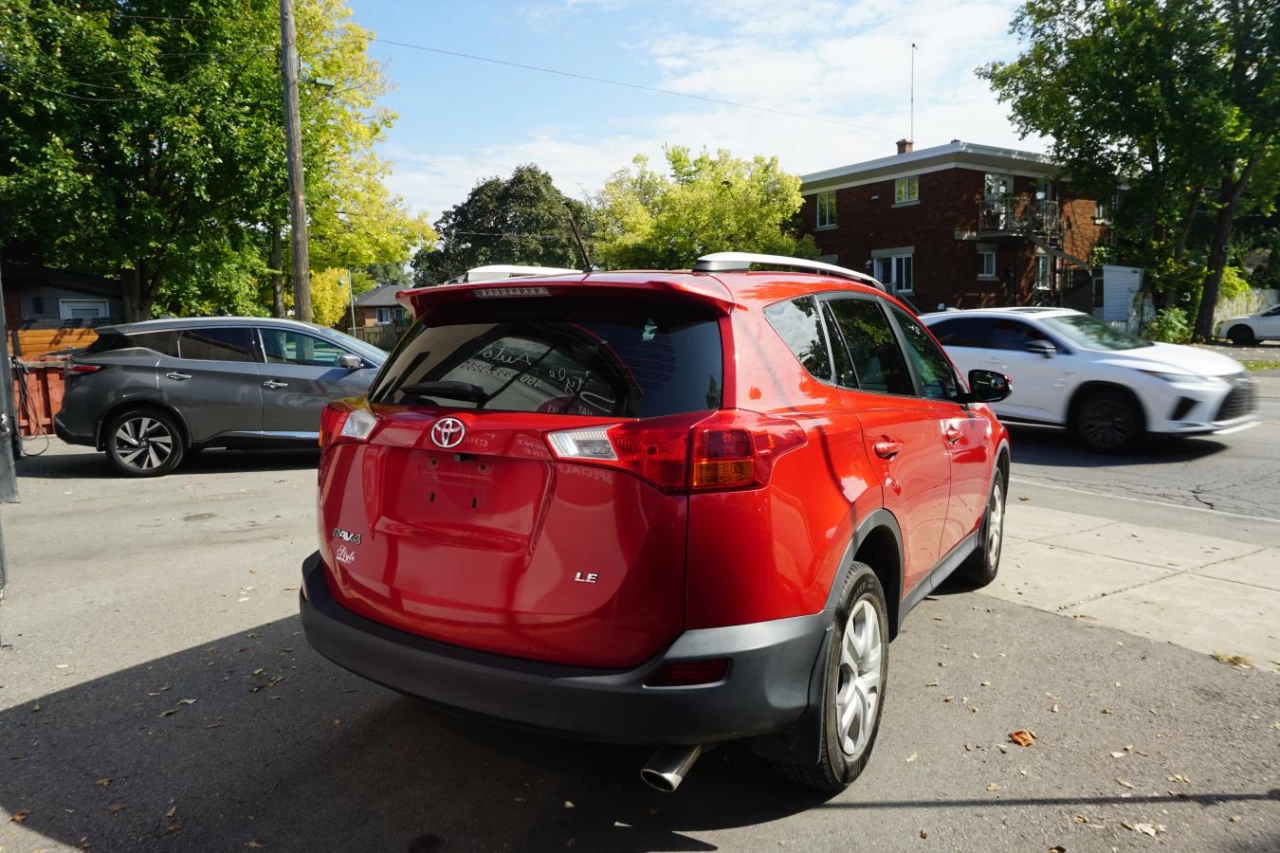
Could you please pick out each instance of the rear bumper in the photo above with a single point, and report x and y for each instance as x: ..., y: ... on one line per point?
x: 766, y: 688
x: 62, y: 431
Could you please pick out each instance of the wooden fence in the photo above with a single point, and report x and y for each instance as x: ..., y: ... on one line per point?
x: 1247, y: 303
x: 44, y: 387
x: 35, y: 344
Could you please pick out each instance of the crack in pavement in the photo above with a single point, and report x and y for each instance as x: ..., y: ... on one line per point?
x: 1172, y: 573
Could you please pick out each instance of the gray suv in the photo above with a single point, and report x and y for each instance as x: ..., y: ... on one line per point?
x: 148, y: 393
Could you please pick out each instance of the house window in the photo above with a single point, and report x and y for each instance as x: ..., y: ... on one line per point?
x: 382, y: 316
x: 1101, y: 212
x: 83, y: 309
x: 1044, y: 272
x: 906, y: 190
x: 896, y: 272
x: 986, y: 263
x: 827, y: 210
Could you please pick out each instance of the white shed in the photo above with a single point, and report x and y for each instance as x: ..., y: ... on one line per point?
x: 1119, y: 287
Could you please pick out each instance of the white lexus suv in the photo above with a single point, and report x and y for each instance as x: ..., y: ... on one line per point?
x: 1107, y: 386
x: 1251, y: 328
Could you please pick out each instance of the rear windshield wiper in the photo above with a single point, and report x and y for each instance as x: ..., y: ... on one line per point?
x: 447, y: 390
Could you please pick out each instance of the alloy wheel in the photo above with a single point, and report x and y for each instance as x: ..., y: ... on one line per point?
x: 995, y: 524
x: 1107, y: 424
x: 142, y: 443
x: 858, y: 692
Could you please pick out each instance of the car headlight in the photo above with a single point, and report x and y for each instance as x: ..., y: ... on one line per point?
x: 1180, y: 378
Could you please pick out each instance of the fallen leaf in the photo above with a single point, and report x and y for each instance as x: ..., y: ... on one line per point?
x: 1232, y: 660
x: 924, y: 833
x: 253, y: 844
x: 103, y: 781
x: 1082, y: 818
x: 985, y: 684
x: 173, y: 827
x: 1024, y: 497
x: 1022, y: 737
x: 519, y: 799
x: 935, y: 684
x: 1058, y: 849
x: 186, y: 701
x: 259, y: 671
x: 173, y: 810
x: 19, y: 816
x: 913, y: 756
x: 214, y: 725
x: 993, y: 787
x: 274, y: 681
x: 337, y: 722
x: 61, y: 665
x: 36, y: 707
x: 1117, y: 755
x: 1183, y: 780
x: 948, y: 699
x: 1054, y: 709
x: 1148, y: 829
x: 1105, y: 711
x: 568, y: 804
x: 973, y: 709
x: 1235, y: 818
x: 168, y: 713
x: 1123, y: 782
x: 256, y: 688
x: 115, y: 809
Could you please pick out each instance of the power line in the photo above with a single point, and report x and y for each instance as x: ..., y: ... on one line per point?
x: 626, y: 85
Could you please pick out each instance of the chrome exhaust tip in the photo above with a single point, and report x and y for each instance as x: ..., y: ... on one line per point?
x: 666, y: 769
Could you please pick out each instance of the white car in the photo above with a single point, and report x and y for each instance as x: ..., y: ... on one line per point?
x: 1248, y: 330
x: 1106, y: 385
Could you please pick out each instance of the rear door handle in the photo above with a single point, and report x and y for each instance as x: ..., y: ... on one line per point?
x: 887, y: 448
x: 271, y: 383
x: 179, y: 376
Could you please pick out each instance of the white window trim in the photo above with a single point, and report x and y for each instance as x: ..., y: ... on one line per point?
x: 819, y: 225
x: 379, y: 313
x: 892, y: 256
x: 905, y: 180
x: 64, y: 308
x: 994, y: 275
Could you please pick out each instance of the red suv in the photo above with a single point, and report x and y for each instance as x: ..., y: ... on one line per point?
x: 656, y: 508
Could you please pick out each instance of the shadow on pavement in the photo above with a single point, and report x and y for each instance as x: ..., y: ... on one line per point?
x: 281, y: 749
x: 87, y: 464
x: 1037, y: 445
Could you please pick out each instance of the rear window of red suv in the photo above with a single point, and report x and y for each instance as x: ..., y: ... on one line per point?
x: 621, y: 358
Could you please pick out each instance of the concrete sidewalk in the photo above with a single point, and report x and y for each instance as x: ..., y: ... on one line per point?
x: 1203, y: 593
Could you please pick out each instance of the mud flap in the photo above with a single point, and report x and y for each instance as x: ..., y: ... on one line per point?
x: 802, y: 743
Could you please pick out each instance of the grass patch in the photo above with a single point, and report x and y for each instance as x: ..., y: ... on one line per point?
x: 1254, y: 364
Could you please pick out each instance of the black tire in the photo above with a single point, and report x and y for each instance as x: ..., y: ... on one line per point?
x: 981, y: 567
x: 1242, y: 336
x: 143, y: 443
x: 837, y: 766
x: 1108, y: 421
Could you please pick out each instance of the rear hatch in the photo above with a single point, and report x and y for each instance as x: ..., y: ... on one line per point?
x: 451, y: 505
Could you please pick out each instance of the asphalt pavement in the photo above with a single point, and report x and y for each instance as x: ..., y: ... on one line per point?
x: 156, y: 694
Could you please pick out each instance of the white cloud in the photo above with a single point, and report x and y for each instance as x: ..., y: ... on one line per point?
x: 846, y: 63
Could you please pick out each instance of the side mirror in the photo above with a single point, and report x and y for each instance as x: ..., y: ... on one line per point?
x: 987, y: 386
x: 1044, y: 348
x: 350, y: 361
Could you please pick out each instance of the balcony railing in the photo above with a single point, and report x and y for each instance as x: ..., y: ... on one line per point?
x: 1020, y: 215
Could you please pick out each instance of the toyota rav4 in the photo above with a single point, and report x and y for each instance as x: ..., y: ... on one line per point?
x: 671, y: 509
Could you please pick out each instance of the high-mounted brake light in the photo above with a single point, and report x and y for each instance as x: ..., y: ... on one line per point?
x: 728, y: 450
x: 497, y: 292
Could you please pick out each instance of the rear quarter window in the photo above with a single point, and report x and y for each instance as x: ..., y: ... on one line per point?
x: 799, y: 323
x: 624, y: 358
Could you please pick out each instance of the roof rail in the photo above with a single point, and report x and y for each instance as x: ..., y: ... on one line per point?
x: 741, y: 261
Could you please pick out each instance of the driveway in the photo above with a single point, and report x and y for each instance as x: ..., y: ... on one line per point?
x: 157, y: 695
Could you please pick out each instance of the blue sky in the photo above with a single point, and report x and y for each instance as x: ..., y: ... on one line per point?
x: 846, y: 63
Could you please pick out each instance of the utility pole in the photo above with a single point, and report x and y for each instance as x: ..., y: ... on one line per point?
x: 297, y: 184
x: 912, y: 131
x: 8, y: 435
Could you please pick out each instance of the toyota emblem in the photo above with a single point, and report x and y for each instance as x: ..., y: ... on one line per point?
x: 448, y: 432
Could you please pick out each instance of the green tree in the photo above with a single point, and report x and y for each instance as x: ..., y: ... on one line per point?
x: 519, y: 220
x: 1179, y: 99
x: 134, y: 143
x: 650, y: 220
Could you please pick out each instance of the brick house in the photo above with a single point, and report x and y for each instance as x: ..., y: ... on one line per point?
x: 958, y: 225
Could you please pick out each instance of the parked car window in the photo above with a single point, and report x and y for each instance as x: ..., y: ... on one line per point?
x: 1274, y: 312
x: 217, y: 343
x: 877, y: 359
x: 799, y: 324
x: 1013, y: 335
x: 616, y: 359
x: 285, y: 346
x: 937, y: 377
x: 1085, y: 331
x: 110, y: 341
x: 972, y: 332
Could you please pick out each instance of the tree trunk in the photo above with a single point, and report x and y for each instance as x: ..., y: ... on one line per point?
x: 131, y: 292
x: 1180, y: 249
x: 277, y: 274
x: 1228, y: 197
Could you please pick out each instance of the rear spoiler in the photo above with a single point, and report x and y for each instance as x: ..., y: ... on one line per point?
x: 703, y: 289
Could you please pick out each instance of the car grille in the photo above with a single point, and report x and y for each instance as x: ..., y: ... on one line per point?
x: 1239, y: 400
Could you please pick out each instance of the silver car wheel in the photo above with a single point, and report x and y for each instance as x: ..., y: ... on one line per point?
x: 858, y: 691
x: 143, y: 443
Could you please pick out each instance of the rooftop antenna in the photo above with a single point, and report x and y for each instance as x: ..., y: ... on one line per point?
x: 912, y: 135
x: 577, y: 238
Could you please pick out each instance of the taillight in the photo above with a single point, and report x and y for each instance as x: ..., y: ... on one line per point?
x: 75, y: 367
x: 339, y: 421
x: 728, y: 450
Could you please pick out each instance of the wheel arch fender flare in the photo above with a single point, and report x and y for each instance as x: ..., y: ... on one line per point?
x: 1084, y: 389
x: 165, y: 409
